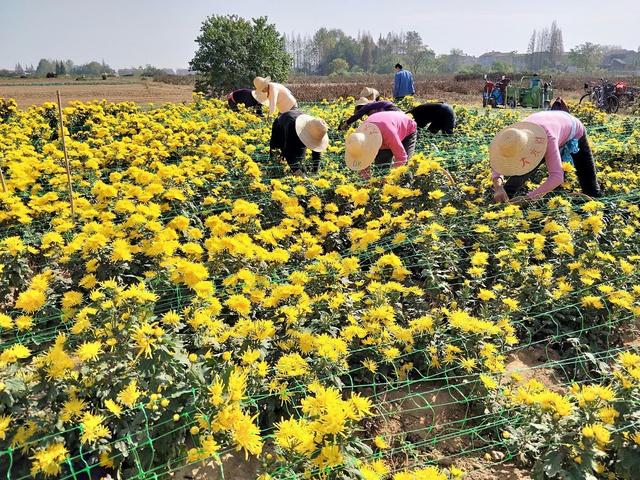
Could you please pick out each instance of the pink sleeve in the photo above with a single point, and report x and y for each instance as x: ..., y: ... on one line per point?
x: 554, y: 166
x: 394, y: 142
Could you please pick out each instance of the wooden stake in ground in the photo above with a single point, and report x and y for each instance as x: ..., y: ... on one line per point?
x: 4, y: 185
x: 66, y: 157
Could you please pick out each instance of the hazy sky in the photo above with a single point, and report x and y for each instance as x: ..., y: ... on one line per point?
x: 162, y: 32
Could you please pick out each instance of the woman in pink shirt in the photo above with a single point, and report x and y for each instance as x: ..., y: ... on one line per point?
x: 550, y: 136
x: 386, y: 139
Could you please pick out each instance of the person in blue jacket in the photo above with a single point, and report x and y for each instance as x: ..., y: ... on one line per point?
x: 403, y: 83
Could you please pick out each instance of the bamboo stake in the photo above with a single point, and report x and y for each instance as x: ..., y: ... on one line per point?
x: 66, y: 156
x: 4, y: 185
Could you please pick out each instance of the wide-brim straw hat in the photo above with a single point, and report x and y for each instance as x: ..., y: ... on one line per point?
x: 261, y: 83
x: 362, y: 101
x: 518, y: 149
x: 370, y: 93
x: 362, y: 146
x: 260, y: 97
x: 312, y: 132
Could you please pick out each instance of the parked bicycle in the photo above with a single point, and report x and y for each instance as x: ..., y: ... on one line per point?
x: 627, y: 94
x: 609, y: 96
x: 602, y: 95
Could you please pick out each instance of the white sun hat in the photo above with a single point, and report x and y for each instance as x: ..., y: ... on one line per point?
x: 362, y: 101
x: 260, y: 97
x: 369, y: 93
x: 312, y: 132
x: 261, y: 83
x: 518, y: 149
x: 362, y: 146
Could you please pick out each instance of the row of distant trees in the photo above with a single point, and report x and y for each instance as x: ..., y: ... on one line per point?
x: 333, y: 52
x: 68, y: 67
x: 232, y: 50
x: 62, y: 67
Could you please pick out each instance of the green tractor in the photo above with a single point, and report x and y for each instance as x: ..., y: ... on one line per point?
x: 532, y: 92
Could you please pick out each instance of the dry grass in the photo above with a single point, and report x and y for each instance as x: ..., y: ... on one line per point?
x: 29, y: 92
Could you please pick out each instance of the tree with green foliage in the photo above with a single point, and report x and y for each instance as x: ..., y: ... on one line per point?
x: 418, y: 57
x: 338, y: 66
x: 586, y: 56
x: 501, y: 67
x: 232, y: 51
x: 45, y: 66
x: 452, y: 62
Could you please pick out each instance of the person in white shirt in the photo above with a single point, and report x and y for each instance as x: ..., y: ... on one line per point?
x: 280, y: 97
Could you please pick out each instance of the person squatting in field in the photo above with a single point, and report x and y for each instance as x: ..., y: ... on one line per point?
x: 439, y: 117
x: 292, y: 133
x: 280, y: 97
x: 551, y: 136
x: 249, y: 98
x: 386, y: 139
x: 366, y: 107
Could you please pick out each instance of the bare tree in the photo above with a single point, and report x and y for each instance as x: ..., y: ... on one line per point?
x: 556, y: 44
x: 531, y: 51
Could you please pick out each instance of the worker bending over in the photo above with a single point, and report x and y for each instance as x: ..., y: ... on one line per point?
x: 249, y: 98
x: 386, y: 139
x: 292, y: 133
x: 280, y: 97
x: 439, y: 117
x: 552, y: 136
x: 365, y: 107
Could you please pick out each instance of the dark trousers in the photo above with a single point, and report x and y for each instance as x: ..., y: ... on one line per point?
x: 446, y: 128
x: 296, y: 164
x: 297, y: 161
x: 385, y: 157
x: 585, y: 171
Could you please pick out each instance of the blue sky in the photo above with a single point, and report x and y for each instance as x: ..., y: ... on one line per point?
x: 162, y: 32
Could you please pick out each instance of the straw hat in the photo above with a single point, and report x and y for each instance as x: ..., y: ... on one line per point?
x: 260, y: 97
x: 312, y: 132
x: 518, y: 149
x: 261, y: 83
x: 362, y: 146
x: 362, y: 101
x: 369, y: 93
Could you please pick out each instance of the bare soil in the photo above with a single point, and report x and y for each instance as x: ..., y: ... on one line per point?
x: 420, y: 412
x: 141, y: 91
x: 234, y: 466
x: 477, y: 469
x: 529, y: 364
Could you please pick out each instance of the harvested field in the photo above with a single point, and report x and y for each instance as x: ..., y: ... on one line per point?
x: 38, y: 91
x: 447, y: 88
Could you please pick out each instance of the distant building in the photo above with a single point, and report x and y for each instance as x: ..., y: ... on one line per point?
x: 621, y: 60
x: 124, y: 72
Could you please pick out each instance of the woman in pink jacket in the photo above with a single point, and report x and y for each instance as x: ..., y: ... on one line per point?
x: 551, y: 136
x: 386, y: 139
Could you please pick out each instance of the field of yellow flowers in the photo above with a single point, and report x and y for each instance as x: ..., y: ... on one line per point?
x: 201, y: 300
